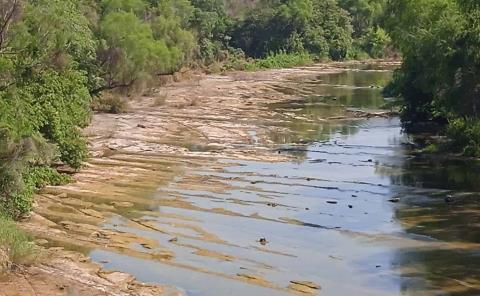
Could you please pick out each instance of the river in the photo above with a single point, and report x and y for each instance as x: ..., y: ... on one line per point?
x: 348, y: 206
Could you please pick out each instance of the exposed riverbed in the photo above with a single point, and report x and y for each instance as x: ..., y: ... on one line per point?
x: 271, y: 183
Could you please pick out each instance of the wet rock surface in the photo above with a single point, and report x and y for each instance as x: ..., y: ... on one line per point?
x: 59, y: 272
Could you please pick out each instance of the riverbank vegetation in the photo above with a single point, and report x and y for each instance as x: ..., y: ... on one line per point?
x: 439, y: 79
x: 15, y: 245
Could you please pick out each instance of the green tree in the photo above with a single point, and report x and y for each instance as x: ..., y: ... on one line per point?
x: 321, y: 28
x: 366, y: 14
x: 211, y: 24
x: 440, y: 75
x: 44, y: 96
x: 139, y: 40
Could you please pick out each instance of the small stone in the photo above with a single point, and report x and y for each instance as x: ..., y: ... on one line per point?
x: 273, y: 205
x: 449, y: 199
x: 141, y: 126
x: 378, y: 266
x: 309, y: 179
x: 394, y: 200
x: 370, y: 160
x: 307, y: 209
x: 332, y: 202
x: 173, y: 240
x: 263, y: 241
x: 350, y: 206
x: 353, y: 195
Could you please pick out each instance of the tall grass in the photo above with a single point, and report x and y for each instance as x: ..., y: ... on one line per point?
x: 280, y: 60
x: 14, y: 242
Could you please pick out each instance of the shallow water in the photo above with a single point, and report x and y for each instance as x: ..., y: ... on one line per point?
x: 354, y: 210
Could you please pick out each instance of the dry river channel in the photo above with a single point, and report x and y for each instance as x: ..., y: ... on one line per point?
x: 283, y: 182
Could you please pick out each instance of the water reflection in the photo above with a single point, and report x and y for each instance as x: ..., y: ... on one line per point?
x: 439, y: 198
x: 439, y: 202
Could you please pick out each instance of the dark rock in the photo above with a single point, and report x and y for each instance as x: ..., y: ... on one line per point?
x: 146, y: 246
x: 263, y: 241
x: 141, y: 126
x: 307, y: 284
x: 350, y: 206
x: 394, y: 200
x: 449, y: 199
x: 332, y: 202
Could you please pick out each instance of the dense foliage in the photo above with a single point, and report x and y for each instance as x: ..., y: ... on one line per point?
x: 320, y: 28
x: 440, y: 75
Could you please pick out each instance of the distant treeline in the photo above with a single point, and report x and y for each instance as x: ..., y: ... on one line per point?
x: 56, y: 55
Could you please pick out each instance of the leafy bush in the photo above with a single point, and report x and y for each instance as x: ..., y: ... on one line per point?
x: 24, y: 168
x: 357, y: 52
x: 464, y: 136
x: 280, y: 60
x: 376, y: 42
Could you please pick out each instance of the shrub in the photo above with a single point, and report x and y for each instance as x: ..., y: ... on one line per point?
x: 24, y: 168
x: 464, y: 136
x: 13, y: 241
x: 280, y: 60
x: 110, y: 103
x: 376, y: 42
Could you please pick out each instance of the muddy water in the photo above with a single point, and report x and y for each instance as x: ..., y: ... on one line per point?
x: 352, y: 210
